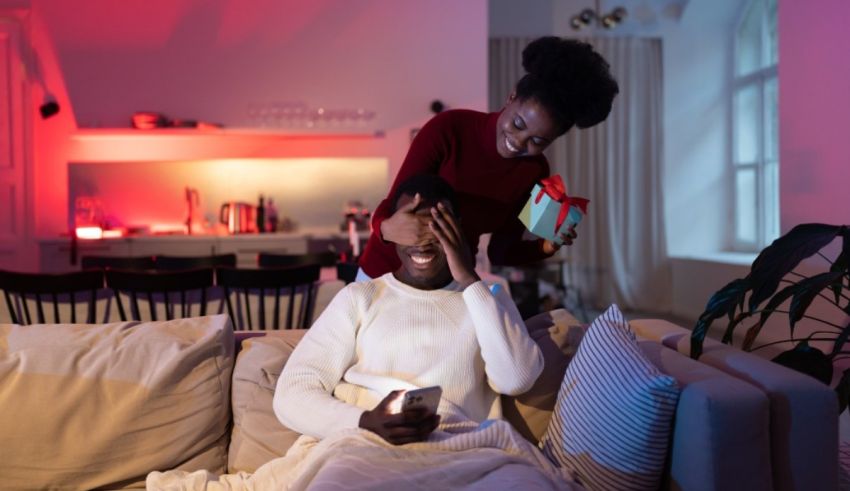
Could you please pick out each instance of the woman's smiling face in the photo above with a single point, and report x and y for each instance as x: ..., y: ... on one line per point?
x: 524, y: 128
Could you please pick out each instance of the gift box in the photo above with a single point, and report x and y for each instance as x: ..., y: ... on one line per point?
x: 549, y: 212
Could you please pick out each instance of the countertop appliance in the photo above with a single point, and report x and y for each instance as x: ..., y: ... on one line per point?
x: 240, y: 217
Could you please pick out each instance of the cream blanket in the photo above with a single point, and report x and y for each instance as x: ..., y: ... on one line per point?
x: 486, y: 457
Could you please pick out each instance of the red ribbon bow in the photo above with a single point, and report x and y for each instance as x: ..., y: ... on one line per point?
x: 554, y: 187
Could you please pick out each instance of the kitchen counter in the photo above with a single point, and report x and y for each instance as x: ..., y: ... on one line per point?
x: 55, y: 252
x: 315, y: 232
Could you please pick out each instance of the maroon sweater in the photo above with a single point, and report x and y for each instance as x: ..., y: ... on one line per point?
x: 460, y: 147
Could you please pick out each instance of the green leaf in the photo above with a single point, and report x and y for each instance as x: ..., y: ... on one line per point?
x: 843, y: 391
x: 730, y: 328
x: 806, y: 291
x: 723, y: 302
x: 750, y: 336
x: 840, y: 340
x: 839, y: 266
x: 778, y: 299
x: 784, y: 254
x: 805, y: 359
x: 842, y: 264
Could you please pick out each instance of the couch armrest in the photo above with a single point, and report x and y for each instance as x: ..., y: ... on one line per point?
x: 803, y: 411
x: 721, y: 438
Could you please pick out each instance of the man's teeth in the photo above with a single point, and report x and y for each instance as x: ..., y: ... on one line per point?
x: 422, y: 259
x: 510, y: 147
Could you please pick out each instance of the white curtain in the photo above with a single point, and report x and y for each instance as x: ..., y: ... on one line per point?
x: 620, y: 255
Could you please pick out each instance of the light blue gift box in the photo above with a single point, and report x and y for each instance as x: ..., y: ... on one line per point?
x: 540, y: 218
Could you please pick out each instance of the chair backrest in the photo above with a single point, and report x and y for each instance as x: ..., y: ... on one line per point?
x: 178, y: 263
x: 127, y: 263
x: 257, y: 293
x: 347, y: 272
x: 270, y: 260
x: 21, y: 289
x: 162, y: 291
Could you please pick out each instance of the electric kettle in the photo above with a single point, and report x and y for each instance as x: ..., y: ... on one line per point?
x: 239, y: 217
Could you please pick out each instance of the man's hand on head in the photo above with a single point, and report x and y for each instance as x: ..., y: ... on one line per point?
x: 399, y: 428
x: 458, y: 254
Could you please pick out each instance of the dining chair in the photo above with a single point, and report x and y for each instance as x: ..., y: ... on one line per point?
x: 131, y: 263
x: 67, y: 292
x: 270, y: 260
x: 162, y: 291
x: 254, y: 296
x: 347, y: 272
x: 178, y: 263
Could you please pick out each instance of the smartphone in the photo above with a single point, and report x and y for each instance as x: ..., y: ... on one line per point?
x: 427, y: 398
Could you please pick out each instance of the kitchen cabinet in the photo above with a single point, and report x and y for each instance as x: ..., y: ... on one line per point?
x: 55, y: 255
x: 174, y: 246
x: 246, y: 247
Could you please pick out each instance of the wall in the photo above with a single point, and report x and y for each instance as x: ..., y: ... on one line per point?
x: 697, y: 70
x: 814, y: 112
x: 313, y: 192
x: 527, y: 18
x: 212, y: 60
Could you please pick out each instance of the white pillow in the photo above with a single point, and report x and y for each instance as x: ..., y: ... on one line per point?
x: 612, y: 421
x: 99, y: 406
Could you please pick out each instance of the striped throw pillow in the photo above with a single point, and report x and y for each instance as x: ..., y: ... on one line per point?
x: 614, y: 413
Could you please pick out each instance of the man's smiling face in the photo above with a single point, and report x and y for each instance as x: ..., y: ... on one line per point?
x: 424, y: 266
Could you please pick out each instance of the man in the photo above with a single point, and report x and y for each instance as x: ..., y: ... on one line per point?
x: 430, y: 322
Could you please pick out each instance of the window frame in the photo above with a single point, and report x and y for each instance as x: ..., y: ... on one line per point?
x: 760, y: 79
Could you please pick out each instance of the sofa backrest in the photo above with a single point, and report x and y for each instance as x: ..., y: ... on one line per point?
x: 720, y: 432
x: 803, y: 411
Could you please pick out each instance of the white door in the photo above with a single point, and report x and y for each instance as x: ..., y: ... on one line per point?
x: 15, y: 229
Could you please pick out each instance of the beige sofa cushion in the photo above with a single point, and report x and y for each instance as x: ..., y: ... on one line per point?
x: 258, y: 436
x: 558, y: 334
x: 100, y: 406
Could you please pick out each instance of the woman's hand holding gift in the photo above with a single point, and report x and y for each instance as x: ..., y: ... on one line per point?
x: 551, y: 247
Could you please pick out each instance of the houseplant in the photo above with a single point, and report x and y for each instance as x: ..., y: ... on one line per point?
x: 753, y: 299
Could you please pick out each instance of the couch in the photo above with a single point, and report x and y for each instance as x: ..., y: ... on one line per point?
x: 99, y: 406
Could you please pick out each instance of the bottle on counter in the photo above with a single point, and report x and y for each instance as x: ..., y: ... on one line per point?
x: 271, y: 216
x: 261, y: 216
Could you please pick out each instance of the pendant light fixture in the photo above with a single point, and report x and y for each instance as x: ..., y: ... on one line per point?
x: 589, y: 16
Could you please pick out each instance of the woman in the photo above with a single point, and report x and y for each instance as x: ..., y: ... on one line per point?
x: 493, y: 160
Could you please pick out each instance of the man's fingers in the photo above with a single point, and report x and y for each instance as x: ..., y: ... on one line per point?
x: 445, y: 228
x: 392, y: 396
x: 450, y: 218
x: 438, y: 233
x: 402, y: 432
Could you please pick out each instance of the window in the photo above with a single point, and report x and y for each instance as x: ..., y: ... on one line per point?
x: 755, y: 113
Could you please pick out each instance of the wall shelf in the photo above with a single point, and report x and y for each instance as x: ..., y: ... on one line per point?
x: 130, y: 145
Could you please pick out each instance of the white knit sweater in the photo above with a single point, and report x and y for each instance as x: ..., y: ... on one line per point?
x: 382, y: 335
